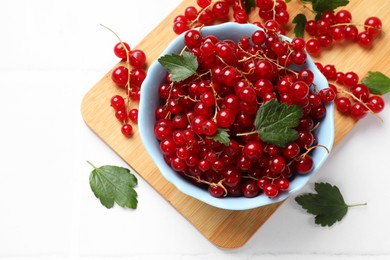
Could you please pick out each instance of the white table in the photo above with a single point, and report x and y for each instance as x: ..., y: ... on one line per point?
x: 51, y: 54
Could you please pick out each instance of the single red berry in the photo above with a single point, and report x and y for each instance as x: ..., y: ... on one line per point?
x: 358, y: 111
x: 121, y: 49
x: 373, y: 26
x: 270, y: 190
x: 118, y: 102
x: 120, y: 76
x: 282, y: 183
x: 376, y: 104
x: 137, y: 59
x: 133, y: 115
x: 216, y: 191
x: 127, y: 130
x: 343, y: 105
x: 250, y: 189
x: 365, y: 39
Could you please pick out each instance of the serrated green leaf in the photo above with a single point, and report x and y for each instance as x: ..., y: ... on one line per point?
x: 221, y: 136
x: 249, y: 5
x: 300, y: 22
x: 114, y: 184
x: 180, y: 67
x: 377, y: 82
x: 321, y: 6
x: 274, y: 122
x: 287, y: 1
x: 327, y: 205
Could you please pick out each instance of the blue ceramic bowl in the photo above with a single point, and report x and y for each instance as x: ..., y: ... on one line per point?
x: 150, y: 100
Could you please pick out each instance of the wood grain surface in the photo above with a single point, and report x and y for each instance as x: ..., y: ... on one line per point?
x: 224, y: 228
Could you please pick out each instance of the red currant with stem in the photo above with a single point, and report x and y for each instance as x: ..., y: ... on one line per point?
x: 282, y: 183
x: 343, y: 16
x: 303, y: 165
x: 216, y: 191
x: 343, y: 104
x: 373, y: 25
x: 358, y: 111
x: 120, y: 76
x: 270, y: 190
x: 180, y: 26
x: 137, y: 59
x: 120, y: 51
x: 376, y: 104
x: 365, y: 39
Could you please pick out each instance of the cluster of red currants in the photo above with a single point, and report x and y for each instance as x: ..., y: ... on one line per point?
x: 209, y: 12
x: 337, y: 27
x: 351, y: 97
x: 232, y: 81
x: 128, y: 77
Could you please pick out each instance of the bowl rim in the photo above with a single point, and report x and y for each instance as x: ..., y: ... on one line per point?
x: 228, y: 203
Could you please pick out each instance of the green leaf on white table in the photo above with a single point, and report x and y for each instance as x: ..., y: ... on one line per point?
x: 180, y: 67
x: 377, y: 82
x: 327, y: 204
x: 114, y: 184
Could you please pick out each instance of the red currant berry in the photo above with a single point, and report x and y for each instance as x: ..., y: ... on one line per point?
x: 304, y: 165
x: 282, y: 183
x: 137, y: 59
x: 250, y: 189
x: 121, y: 49
x: 270, y: 190
x: 120, y: 76
x: 358, y: 111
x: 343, y: 105
x: 373, y: 26
x: 127, y: 130
x: 133, y: 115
x: 118, y: 102
x: 376, y: 104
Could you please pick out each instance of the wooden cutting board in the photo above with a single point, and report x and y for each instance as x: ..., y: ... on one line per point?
x: 224, y: 228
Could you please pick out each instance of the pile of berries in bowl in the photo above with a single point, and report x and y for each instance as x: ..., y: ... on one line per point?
x: 236, y: 117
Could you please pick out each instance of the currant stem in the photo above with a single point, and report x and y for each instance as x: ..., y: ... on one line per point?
x: 93, y: 166
x: 357, y: 205
x: 127, y: 62
x: 248, y: 133
x: 360, y: 101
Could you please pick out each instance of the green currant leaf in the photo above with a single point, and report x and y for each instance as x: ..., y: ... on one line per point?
x: 300, y: 22
x: 327, y: 204
x: 275, y: 122
x: 377, y: 82
x: 221, y: 136
x: 180, y: 67
x: 321, y: 6
x: 114, y: 184
x: 249, y: 5
x: 287, y: 1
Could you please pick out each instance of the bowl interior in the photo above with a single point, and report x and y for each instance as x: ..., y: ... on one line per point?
x: 150, y: 100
